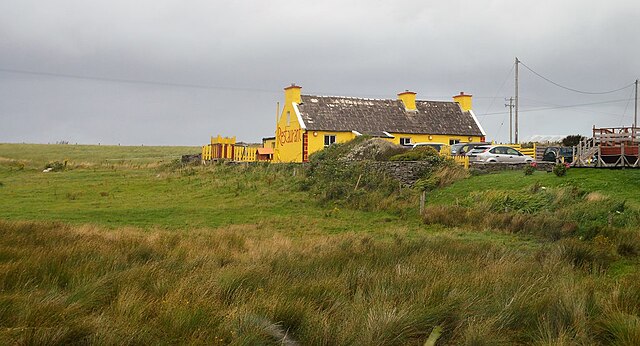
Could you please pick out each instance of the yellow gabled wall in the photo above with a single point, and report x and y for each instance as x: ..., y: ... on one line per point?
x: 288, y: 130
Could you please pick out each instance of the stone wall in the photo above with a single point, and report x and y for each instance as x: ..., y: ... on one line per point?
x: 407, y: 172
x: 495, y: 167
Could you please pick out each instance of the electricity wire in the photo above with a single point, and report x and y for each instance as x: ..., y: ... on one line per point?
x: 561, y: 107
x: 625, y: 107
x: 136, y: 81
x: 572, y: 89
x: 187, y: 85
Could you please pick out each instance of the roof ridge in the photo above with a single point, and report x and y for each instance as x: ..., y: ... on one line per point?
x: 435, y: 101
x: 350, y: 97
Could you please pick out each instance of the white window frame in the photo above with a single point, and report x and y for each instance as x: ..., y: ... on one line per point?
x: 405, y: 141
x: 453, y: 141
x: 327, y: 139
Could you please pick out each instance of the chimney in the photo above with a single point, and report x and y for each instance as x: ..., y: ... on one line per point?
x: 409, y: 99
x: 292, y: 94
x: 463, y: 100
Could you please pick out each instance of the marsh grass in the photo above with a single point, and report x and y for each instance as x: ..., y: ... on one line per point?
x: 85, y: 284
x: 251, y: 254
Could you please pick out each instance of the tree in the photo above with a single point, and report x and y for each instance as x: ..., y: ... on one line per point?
x: 572, y: 140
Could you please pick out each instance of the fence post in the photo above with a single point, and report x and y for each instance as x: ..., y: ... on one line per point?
x: 422, y: 200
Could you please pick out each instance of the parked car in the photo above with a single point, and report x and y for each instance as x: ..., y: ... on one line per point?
x: 437, y: 146
x: 558, y: 154
x: 498, y: 154
x: 464, y: 148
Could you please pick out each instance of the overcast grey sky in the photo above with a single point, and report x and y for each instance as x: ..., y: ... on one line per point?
x: 243, y: 53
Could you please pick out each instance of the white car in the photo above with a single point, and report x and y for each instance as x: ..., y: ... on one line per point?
x: 498, y: 154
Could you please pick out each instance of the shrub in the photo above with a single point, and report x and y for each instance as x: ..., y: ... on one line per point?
x: 572, y: 140
x: 529, y: 170
x: 418, y: 154
x: 56, y: 166
x: 560, y: 170
x: 444, y: 175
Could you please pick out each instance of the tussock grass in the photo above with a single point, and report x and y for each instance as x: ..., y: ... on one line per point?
x: 248, y: 258
x: 243, y: 285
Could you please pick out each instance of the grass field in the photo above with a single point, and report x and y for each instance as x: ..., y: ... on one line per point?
x: 147, y: 252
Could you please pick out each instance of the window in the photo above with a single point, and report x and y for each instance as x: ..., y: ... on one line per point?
x: 454, y: 141
x: 498, y: 150
x: 329, y: 139
x: 511, y: 151
x: 288, y: 118
x: 405, y: 140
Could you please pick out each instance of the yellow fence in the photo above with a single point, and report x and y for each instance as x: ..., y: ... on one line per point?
x: 462, y: 160
x: 226, y: 148
x: 245, y: 153
x: 527, y: 151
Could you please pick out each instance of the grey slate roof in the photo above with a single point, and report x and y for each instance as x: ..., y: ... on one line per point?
x: 375, y: 116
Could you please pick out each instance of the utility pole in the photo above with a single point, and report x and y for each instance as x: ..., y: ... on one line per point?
x: 510, y: 105
x: 516, y: 105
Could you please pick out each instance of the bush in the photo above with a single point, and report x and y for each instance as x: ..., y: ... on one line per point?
x: 560, y: 170
x: 419, y: 154
x: 444, y: 175
x: 572, y: 140
x: 56, y: 166
x: 529, y: 170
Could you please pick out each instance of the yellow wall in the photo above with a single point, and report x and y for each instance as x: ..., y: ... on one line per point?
x: 288, y: 130
x: 316, y: 142
x: 269, y: 143
x: 420, y: 138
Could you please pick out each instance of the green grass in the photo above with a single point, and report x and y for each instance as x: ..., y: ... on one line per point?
x: 64, y: 284
x: 617, y: 184
x: 37, y: 155
x: 148, y: 252
x: 183, y: 198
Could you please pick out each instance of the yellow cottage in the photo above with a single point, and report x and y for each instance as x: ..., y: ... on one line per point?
x: 309, y: 123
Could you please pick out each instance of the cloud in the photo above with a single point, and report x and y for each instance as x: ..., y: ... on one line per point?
x: 358, y: 48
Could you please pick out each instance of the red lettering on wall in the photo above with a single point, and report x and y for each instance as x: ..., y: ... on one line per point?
x: 289, y: 136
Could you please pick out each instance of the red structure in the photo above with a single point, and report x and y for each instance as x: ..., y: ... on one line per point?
x: 610, y: 147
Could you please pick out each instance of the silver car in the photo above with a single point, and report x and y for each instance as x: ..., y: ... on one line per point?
x: 498, y: 154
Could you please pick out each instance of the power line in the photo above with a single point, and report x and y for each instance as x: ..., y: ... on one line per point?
x: 625, y: 108
x: 493, y: 99
x: 571, y: 89
x: 561, y: 107
x: 136, y: 81
x: 189, y: 85
x: 538, y: 103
